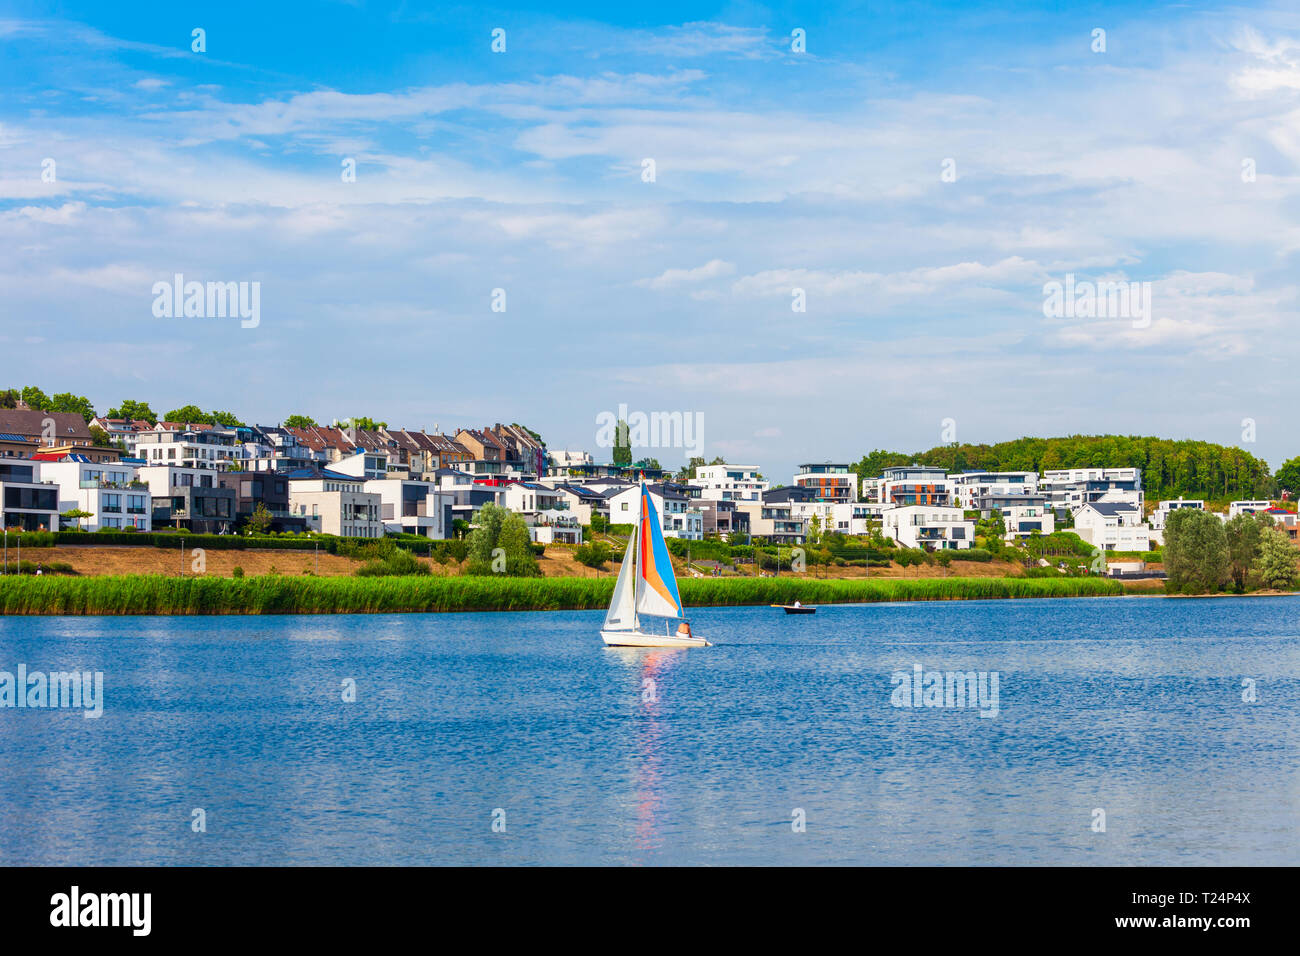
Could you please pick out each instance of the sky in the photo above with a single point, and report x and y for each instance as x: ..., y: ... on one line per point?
x: 917, y: 174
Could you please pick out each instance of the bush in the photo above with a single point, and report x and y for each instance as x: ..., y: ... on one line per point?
x: 238, y: 572
x: 982, y: 555
x: 593, y: 555
x: 34, y: 539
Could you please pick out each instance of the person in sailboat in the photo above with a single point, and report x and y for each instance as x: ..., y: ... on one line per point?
x: 684, y: 629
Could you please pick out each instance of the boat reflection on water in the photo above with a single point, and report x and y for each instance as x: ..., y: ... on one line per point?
x: 651, y: 666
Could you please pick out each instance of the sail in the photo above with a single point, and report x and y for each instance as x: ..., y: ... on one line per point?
x: 658, y: 591
x: 622, y: 609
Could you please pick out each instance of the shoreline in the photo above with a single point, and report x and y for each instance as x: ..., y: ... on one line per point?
x: 275, y: 594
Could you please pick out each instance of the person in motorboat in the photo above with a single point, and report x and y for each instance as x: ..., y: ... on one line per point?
x: 797, y: 604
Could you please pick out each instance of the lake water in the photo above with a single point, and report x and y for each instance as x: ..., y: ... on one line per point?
x: 1130, y: 706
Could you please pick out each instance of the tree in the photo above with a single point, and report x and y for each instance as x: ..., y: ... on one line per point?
x: 9, y: 398
x: 1196, y: 552
x: 67, y: 402
x: 35, y: 398
x: 99, y: 438
x: 229, y: 419
x: 622, y: 445
x: 363, y: 423
x: 1243, y: 537
x: 300, y: 421
x: 189, y: 415
x: 689, y: 470
x: 133, y: 410
x: 260, y: 520
x: 1288, y: 476
x: 814, y: 529
x: 501, y: 545
x: 76, y: 514
x: 1277, y: 560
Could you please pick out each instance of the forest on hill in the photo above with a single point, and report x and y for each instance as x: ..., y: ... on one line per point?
x: 1170, y: 468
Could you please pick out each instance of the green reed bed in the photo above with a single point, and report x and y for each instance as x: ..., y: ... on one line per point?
x: 276, y: 594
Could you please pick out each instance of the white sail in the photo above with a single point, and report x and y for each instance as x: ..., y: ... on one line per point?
x: 622, y: 609
x: 657, y: 594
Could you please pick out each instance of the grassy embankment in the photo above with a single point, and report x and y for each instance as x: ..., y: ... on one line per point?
x: 275, y: 594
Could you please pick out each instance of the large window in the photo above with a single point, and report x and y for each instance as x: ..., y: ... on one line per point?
x: 33, y: 499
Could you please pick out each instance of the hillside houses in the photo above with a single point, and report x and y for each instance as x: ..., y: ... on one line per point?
x: 336, y: 479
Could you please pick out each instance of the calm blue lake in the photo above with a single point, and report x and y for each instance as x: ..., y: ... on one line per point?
x: 1130, y: 706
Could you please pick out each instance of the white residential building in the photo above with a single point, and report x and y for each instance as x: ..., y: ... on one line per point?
x: 412, y: 506
x: 112, y: 494
x: 1112, y: 526
x: 545, y: 511
x: 189, y: 497
x: 210, y: 448
x: 369, y: 465
x: 729, y: 482
x: 933, y: 527
x: 1068, y: 489
x: 969, y: 485
x: 27, y: 501
x: 678, y: 518
x: 914, y: 485
x: 1022, y: 514
x: 334, y: 503
x: 1247, y: 507
x: 561, y: 461
x: 773, y: 519
x: 828, y: 481
x: 1165, y: 508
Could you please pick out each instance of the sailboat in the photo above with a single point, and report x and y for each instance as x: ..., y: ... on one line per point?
x: 646, y: 588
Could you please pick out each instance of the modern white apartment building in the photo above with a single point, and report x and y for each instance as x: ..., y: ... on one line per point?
x: 933, y: 527
x: 828, y: 481
x: 969, y: 485
x: 914, y: 485
x: 545, y: 511
x: 678, y: 518
x: 26, y: 501
x: 1068, y: 489
x: 1165, y: 508
x: 1112, y: 526
x: 1022, y: 514
x: 112, y: 494
x: 773, y: 519
x: 1247, y: 507
x: 369, y: 465
x: 729, y: 482
x: 412, y: 506
x: 334, y: 503
x: 210, y: 448
x: 189, y: 497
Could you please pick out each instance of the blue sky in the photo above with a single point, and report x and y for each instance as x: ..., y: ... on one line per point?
x: 775, y: 170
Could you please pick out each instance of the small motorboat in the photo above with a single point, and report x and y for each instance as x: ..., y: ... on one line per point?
x: 796, y: 608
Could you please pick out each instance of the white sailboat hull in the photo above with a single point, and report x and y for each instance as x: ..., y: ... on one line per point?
x: 642, y: 639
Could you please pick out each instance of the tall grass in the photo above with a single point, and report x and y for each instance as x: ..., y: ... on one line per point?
x: 276, y: 594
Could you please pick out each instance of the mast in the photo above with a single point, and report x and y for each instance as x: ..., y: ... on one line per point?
x: 634, y: 542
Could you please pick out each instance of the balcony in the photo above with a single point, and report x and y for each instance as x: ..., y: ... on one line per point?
x: 103, y: 483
